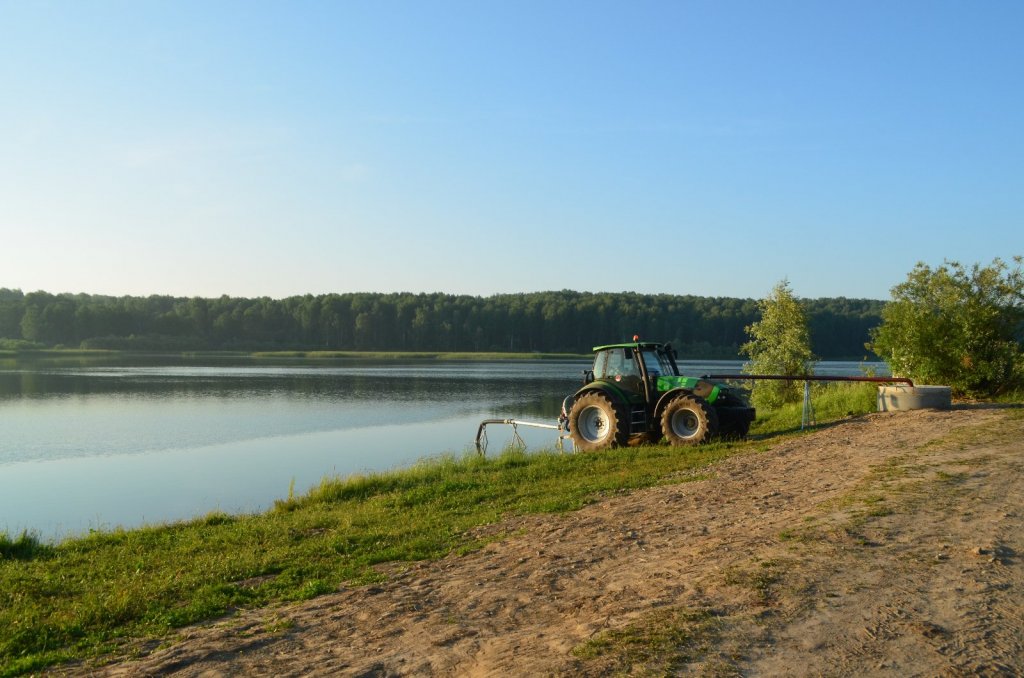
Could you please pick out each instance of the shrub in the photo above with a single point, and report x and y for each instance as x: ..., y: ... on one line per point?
x: 956, y: 326
x: 780, y: 343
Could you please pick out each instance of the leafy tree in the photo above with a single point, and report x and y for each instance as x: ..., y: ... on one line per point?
x: 11, y: 311
x: 956, y: 326
x: 780, y: 343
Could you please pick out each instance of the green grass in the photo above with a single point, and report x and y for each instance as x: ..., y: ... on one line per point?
x: 1012, y: 398
x: 660, y: 643
x: 98, y: 594
x: 830, y: 400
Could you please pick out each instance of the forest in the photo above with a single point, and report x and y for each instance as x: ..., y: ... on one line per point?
x: 550, y: 322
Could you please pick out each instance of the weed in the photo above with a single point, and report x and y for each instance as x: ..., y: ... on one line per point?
x: 660, y: 642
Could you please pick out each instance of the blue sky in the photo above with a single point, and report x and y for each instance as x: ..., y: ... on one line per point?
x: 709, y: 148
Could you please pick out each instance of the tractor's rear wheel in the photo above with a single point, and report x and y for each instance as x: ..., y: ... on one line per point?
x: 688, y: 420
x: 595, y: 423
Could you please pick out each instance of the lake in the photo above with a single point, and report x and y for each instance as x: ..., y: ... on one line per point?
x: 93, y: 444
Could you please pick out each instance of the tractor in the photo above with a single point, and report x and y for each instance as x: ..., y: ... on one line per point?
x: 635, y: 394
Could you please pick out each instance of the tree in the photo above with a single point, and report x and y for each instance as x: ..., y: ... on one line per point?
x: 780, y: 343
x: 956, y: 326
x: 11, y: 303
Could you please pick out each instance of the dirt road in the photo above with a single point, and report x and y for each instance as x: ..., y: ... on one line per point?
x: 888, y: 544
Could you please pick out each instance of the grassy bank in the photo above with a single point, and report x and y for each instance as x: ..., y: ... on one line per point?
x: 95, y: 595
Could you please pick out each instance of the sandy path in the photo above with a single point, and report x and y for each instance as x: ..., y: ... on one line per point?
x: 888, y: 544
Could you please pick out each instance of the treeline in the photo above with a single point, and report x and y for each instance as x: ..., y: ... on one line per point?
x: 566, y: 321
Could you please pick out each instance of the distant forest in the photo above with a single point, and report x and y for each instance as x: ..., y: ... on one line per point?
x: 566, y: 321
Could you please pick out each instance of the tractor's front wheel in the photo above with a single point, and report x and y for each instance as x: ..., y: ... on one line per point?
x: 688, y: 420
x: 596, y: 424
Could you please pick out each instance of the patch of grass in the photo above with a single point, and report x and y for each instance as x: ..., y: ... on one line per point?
x: 87, y: 596
x: 831, y: 401
x: 278, y: 625
x: 1015, y: 397
x: 950, y: 478
x: 971, y: 435
x: 760, y: 579
x: 802, y: 534
x: 660, y: 643
x: 23, y: 547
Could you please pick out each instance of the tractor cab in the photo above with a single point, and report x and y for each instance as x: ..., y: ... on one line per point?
x: 633, y: 360
x: 633, y: 368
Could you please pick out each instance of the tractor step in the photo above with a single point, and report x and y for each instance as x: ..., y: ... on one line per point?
x: 638, y: 420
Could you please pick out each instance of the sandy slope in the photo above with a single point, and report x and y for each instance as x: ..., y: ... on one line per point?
x: 888, y: 544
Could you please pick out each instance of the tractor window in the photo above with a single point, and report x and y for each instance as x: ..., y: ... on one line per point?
x: 657, y: 363
x: 617, y: 362
x: 621, y: 363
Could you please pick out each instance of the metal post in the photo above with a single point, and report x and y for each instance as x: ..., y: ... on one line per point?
x: 807, y: 419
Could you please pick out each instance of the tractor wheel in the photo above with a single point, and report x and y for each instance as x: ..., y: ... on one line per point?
x: 596, y: 424
x: 688, y: 420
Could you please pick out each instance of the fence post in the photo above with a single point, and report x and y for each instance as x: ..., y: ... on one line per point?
x: 807, y: 418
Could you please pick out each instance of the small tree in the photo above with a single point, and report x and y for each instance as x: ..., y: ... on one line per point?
x: 956, y: 326
x: 780, y: 343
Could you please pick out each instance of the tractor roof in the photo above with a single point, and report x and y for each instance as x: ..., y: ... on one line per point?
x: 635, y: 344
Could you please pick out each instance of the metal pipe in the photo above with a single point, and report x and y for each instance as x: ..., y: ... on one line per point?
x: 811, y: 377
x: 480, y: 432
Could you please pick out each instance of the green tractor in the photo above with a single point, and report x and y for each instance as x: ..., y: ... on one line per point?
x: 634, y: 393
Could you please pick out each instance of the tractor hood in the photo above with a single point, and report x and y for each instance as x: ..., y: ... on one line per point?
x: 704, y: 389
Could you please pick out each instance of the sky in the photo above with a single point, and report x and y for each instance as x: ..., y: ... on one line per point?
x: 714, y: 148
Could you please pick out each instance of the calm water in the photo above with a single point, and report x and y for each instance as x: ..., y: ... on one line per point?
x: 87, y: 445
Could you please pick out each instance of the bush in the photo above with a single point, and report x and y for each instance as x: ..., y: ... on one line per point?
x: 143, y: 342
x: 18, y: 345
x: 956, y: 326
